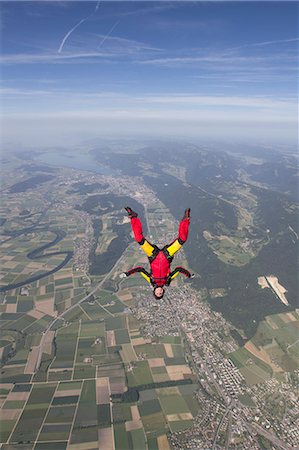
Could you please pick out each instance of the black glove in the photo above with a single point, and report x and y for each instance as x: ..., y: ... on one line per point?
x: 187, y: 214
x: 130, y: 212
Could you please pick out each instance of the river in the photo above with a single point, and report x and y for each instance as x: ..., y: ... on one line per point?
x: 38, y: 253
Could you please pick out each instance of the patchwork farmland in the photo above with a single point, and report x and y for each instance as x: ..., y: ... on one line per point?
x: 100, y: 382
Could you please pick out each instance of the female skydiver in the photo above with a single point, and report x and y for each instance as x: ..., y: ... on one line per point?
x: 159, y: 259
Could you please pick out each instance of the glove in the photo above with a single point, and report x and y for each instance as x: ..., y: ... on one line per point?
x: 187, y: 214
x: 130, y: 212
x: 122, y: 275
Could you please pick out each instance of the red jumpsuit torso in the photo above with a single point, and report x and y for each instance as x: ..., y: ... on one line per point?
x: 160, y: 269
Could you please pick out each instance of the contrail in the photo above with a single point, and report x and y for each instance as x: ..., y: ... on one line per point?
x: 76, y: 26
x: 108, y: 34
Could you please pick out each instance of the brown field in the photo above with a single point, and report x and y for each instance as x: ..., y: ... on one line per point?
x: 10, y: 265
x: 168, y: 350
x: 140, y: 341
x: 36, y: 314
x: 177, y: 372
x: 135, y: 412
x: 11, y: 308
x: 67, y: 392
x: 160, y: 377
x: 7, y: 258
x: 9, y: 414
x: 46, y: 306
x: 125, y: 296
x: 85, y: 445
x: 62, y: 274
x: 17, y: 396
x: 263, y: 355
x: 6, y: 385
x: 102, y: 390
x: 156, y: 362
x: 106, y: 439
x: 173, y: 390
x: 48, y: 342
x: 163, y: 442
x: 180, y: 416
x: 288, y: 317
x: 42, y: 290
x: 110, y: 337
x: 133, y: 425
x: 35, y: 265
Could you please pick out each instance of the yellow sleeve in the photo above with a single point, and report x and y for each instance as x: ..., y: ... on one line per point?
x: 146, y: 277
x: 174, y: 247
x: 174, y: 275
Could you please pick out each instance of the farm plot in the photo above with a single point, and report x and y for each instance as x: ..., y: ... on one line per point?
x: 66, y: 342
x: 273, y: 349
x: 34, y: 413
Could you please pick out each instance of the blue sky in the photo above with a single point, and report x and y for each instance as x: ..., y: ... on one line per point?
x: 212, y: 70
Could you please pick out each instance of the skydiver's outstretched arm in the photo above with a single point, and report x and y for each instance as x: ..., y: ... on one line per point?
x: 183, y: 234
x: 136, y: 224
x: 178, y: 270
x: 140, y: 270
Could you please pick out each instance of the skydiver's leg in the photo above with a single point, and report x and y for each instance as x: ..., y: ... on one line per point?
x: 177, y: 244
x: 146, y: 246
x: 136, y: 224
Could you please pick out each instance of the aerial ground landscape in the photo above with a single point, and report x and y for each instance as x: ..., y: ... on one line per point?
x: 159, y: 106
x: 88, y: 357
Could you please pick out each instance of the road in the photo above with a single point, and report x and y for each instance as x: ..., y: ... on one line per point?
x: 39, y: 357
x: 229, y: 431
x: 228, y: 409
x: 255, y: 428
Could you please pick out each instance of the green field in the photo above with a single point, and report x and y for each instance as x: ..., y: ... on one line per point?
x: 66, y: 342
x: 277, y: 336
x: 140, y: 374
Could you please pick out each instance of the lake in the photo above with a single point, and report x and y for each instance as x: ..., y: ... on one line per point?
x: 75, y: 160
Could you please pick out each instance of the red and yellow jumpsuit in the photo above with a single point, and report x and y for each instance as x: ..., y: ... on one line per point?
x: 160, y: 259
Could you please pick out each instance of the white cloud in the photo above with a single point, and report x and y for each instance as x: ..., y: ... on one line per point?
x: 37, y: 58
x: 230, y: 101
x: 217, y: 59
x: 82, y: 49
x: 265, y: 43
x: 115, y: 99
x: 16, y: 92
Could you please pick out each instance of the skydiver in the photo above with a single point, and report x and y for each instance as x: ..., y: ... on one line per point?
x: 159, y: 259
